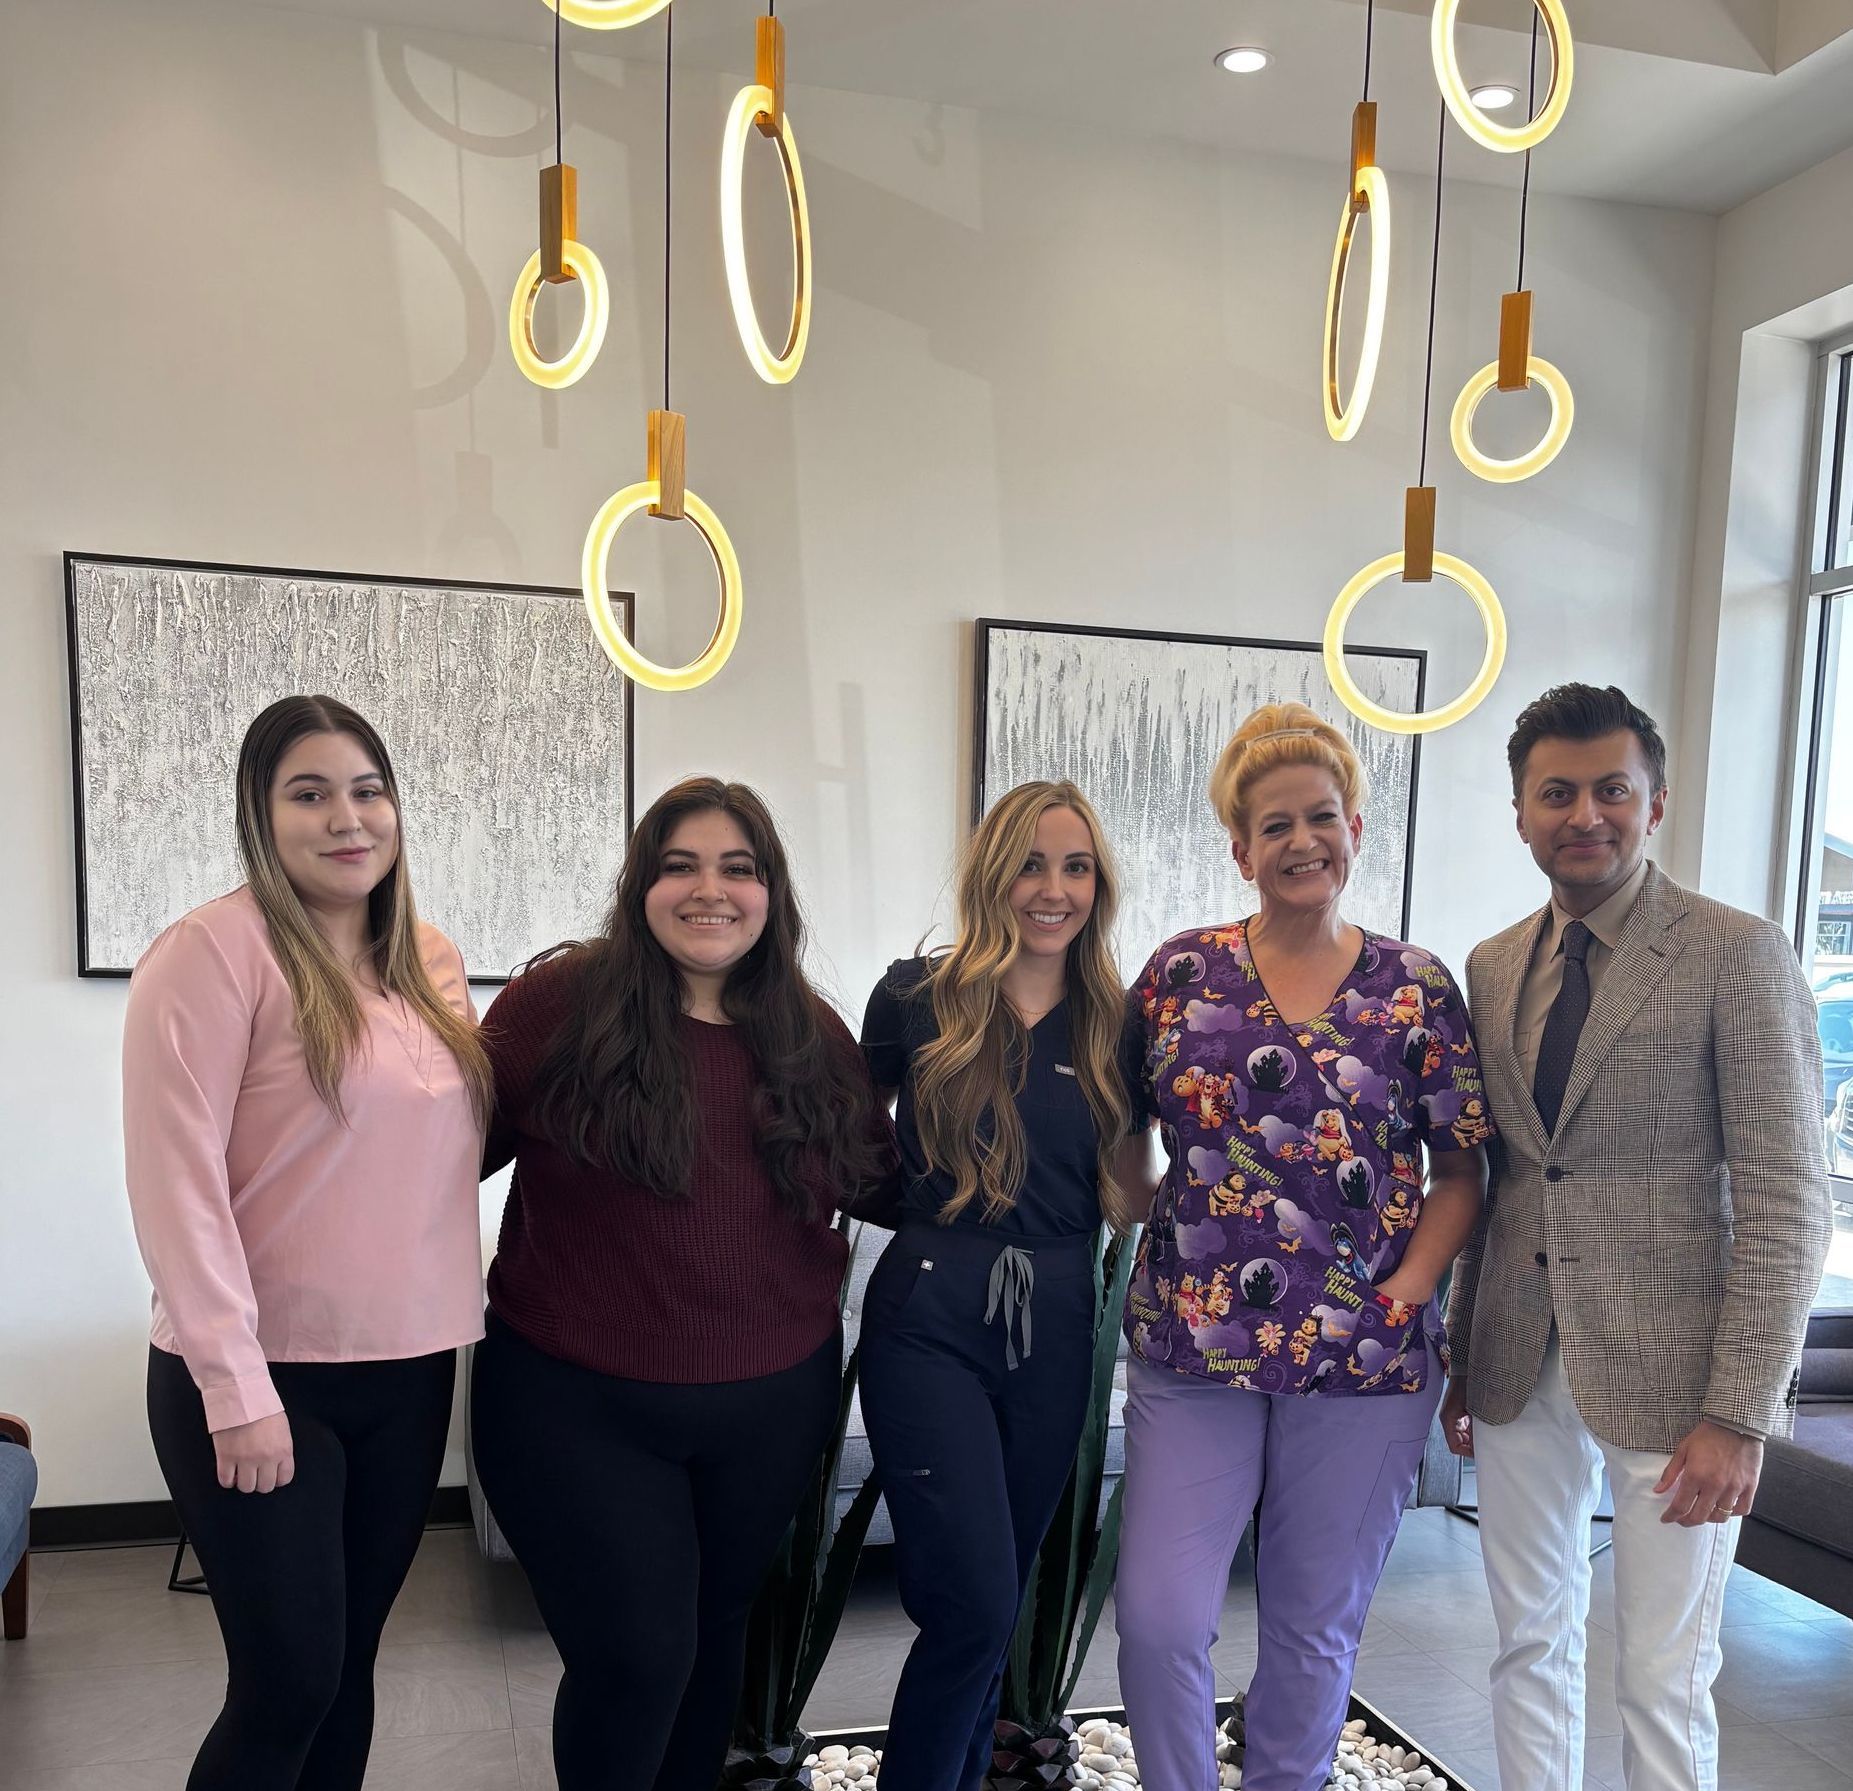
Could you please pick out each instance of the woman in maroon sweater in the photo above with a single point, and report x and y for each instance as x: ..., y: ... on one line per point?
x: 663, y: 1356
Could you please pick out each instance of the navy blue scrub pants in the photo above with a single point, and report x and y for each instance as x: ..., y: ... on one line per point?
x: 973, y: 1456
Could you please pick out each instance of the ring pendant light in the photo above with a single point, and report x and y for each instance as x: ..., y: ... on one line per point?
x: 561, y: 259
x: 583, y: 266
x: 1369, y: 195
x: 1418, y: 562
x: 1506, y: 139
x: 762, y: 105
x: 1394, y: 721
x: 662, y: 492
x: 1517, y: 368
x: 1534, y: 371
x: 606, y: 15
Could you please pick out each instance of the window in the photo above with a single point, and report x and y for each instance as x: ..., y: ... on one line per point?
x: 1824, y: 925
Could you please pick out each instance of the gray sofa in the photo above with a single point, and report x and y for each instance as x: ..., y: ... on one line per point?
x: 19, y: 1480
x: 1800, y: 1530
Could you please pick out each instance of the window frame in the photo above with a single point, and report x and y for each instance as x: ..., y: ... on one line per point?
x: 1826, y: 596
x: 1832, y: 461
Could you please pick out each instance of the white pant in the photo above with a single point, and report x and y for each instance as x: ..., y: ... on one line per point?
x: 1540, y: 1478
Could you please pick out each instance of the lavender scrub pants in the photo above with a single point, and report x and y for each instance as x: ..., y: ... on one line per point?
x: 1325, y: 1480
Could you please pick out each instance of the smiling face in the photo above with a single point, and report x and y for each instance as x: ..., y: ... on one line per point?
x: 1299, y: 845
x: 707, y: 907
x: 1586, y: 809
x: 336, y: 830
x: 1054, y: 892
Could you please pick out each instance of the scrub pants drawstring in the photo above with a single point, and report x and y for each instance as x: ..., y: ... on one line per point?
x: 1013, y: 1281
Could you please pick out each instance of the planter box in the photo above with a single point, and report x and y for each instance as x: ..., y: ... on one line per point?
x: 1379, y: 1726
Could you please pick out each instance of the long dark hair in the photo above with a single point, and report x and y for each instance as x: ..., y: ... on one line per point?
x: 328, y: 1018
x: 614, y: 1091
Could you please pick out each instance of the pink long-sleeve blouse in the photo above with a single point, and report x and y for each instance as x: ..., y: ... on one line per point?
x: 273, y: 1231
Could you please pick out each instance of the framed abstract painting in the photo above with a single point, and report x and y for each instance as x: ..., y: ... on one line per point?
x: 510, y: 733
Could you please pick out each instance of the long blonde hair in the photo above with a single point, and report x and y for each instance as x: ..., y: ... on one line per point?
x: 328, y: 1018
x: 979, y: 1059
x: 1282, y: 734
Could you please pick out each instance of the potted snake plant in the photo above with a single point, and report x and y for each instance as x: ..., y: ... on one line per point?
x: 1072, y: 1575
x: 795, y: 1618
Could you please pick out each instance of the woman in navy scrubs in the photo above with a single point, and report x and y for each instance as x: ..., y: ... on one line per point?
x: 1009, y: 1053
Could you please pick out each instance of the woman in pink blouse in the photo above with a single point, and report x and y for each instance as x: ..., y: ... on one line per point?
x: 303, y: 1101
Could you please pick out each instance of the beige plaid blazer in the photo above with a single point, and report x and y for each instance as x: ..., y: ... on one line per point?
x: 1676, y: 1223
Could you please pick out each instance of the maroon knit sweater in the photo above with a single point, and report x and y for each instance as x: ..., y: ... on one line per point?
x: 725, y: 1285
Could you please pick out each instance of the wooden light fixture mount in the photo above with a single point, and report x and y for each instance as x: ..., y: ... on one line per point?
x: 769, y: 73
x: 666, y: 463
x: 1514, y: 341
x: 559, y: 220
x: 1419, y: 535
x: 1363, y: 149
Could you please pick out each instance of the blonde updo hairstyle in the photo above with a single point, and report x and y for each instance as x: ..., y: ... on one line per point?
x: 1280, y: 734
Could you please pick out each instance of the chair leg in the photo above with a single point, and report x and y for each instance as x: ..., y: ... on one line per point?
x: 13, y: 1600
x: 195, y: 1582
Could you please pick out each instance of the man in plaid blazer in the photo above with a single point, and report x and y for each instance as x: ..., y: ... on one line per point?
x: 1636, y: 1295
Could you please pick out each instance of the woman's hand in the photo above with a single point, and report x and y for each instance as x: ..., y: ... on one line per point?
x: 256, y: 1457
x: 1408, y: 1287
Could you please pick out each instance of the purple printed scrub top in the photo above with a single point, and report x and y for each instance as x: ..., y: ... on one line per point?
x: 1296, y: 1164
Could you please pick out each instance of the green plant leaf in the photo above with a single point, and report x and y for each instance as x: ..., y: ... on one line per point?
x: 795, y: 1616
x: 832, y: 1593
x: 1074, y: 1567
x: 1099, y: 1584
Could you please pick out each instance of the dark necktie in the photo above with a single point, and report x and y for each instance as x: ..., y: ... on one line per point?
x: 1563, y: 1027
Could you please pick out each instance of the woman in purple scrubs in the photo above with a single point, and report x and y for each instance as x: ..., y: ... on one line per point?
x: 1280, y: 1315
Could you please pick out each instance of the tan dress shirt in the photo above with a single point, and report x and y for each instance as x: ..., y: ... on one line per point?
x: 1545, y: 977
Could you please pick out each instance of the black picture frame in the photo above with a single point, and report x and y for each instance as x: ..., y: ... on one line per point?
x: 88, y: 963
x: 986, y: 627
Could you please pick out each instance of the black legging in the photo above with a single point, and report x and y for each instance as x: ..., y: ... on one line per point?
x: 646, y: 1516
x: 302, y: 1579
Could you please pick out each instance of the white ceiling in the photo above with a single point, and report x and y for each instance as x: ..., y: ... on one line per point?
x: 1698, y: 104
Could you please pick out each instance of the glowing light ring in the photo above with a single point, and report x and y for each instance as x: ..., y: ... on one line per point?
x: 605, y: 15
x: 571, y: 366
x: 1509, y: 472
x: 1394, y: 721
x: 611, y: 517
x: 774, y: 369
x: 1343, y: 421
x: 1507, y: 139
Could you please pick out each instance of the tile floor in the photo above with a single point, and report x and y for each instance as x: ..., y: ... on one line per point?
x: 120, y: 1677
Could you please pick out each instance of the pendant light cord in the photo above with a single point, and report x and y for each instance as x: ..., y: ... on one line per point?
x: 1531, y: 112
x: 1370, y: 23
x: 669, y: 94
x: 559, y: 126
x: 1434, y: 286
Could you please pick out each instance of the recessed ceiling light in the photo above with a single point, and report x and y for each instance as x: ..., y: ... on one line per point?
x: 1243, y: 60
x: 1494, y: 98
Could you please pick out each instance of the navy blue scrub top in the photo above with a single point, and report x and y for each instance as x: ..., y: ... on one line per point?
x: 1060, y: 1196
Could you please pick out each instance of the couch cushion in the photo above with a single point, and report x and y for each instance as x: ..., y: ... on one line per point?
x: 1807, y: 1485
x: 866, y: 1244
x: 19, y: 1480
x: 1827, y: 1376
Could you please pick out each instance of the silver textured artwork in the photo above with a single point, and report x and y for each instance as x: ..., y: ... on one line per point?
x: 1137, y: 721
x: 510, y: 734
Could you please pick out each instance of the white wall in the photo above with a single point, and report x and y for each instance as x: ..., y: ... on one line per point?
x: 1784, y: 280
x: 255, y: 314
